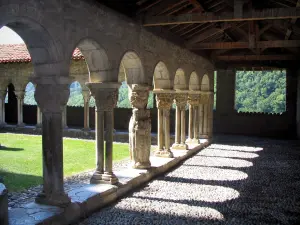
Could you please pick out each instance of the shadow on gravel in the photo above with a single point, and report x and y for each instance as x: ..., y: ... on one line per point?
x: 228, y: 187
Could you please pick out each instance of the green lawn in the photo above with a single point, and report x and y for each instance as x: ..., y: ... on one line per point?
x: 21, y: 159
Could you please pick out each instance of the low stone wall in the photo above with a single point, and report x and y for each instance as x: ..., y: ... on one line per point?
x: 3, y: 205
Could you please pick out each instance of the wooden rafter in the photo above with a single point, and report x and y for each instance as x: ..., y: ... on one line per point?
x: 245, y: 45
x: 255, y: 57
x: 265, y: 14
x: 293, y: 21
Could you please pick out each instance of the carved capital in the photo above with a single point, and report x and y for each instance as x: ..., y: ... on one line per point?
x: 164, y: 100
x: 20, y: 94
x: 52, y: 93
x: 86, y: 95
x: 138, y: 95
x: 204, y: 98
x: 194, y: 99
x: 105, y: 94
x: 180, y: 100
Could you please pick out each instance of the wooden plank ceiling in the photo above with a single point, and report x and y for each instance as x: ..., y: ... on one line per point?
x: 233, y: 33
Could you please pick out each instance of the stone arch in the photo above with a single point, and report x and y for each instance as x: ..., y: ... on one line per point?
x: 180, y: 80
x: 161, y: 77
x: 96, y: 59
x: 43, y: 50
x: 205, y: 86
x: 194, y: 83
x: 131, y: 69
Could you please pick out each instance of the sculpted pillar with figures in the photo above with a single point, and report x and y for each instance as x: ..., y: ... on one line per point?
x: 164, y: 100
x: 139, y: 127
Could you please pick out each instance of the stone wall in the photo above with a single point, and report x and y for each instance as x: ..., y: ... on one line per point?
x: 228, y: 121
x: 3, y: 205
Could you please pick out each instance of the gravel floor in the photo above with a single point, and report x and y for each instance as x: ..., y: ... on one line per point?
x: 237, y: 180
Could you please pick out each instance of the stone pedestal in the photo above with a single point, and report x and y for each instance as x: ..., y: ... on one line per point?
x: 20, y: 101
x: 2, y: 108
x: 164, y: 101
x: 106, y: 97
x: 193, y: 101
x: 180, y: 135
x: 3, y: 205
x: 139, y: 127
x: 86, y: 100
x: 52, y: 94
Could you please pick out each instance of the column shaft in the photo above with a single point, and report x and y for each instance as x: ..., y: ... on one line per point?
x: 160, y: 129
x: 205, y: 121
x: 167, y: 128
x: 183, y: 135
x: 2, y: 110
x: 39, y: 117
x: 64, y: 118
x: 53, y: 188
x: 86, y: 114
x: 196, y: 123
x: 201, y: 120
x: 109, y: 118
x: 191, y: 122
x: 178, y: 126
x: 20, y: 110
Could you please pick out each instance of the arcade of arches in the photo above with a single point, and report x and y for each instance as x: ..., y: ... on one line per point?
x: 107, y: 56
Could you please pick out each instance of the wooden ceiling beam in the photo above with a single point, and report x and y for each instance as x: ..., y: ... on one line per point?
x: 199, y: 7
x: 293, y: 21
x: 256, y: 58
x: 244, y: 45
x: 265, y: 14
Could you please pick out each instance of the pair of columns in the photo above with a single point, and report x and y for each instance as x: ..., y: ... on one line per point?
x: 194, y: 101
x: 52, y: 94
x: 2, y: 108
x: 106, y: 97
x: 164, y: 100
x: 180, y: 135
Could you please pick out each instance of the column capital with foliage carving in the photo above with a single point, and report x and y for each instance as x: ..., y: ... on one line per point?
x: 138, y: 95
x: 105, y: 94
x: 164, y: 99
x: 180, y: 99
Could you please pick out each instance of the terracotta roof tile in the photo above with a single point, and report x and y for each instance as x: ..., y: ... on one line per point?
x: 16, y: 53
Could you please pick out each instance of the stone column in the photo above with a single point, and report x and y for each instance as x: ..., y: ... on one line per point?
x: 140, y: 126
x: 86, y: 100
x: 106, y: 97
x: 20, y: 99
x: 193, y: 101
x: 180, y: 136
x: 210, y: 106
x: 3, y: 204
x: 52, y: 94
x: 164, y: 101
x: 205, y: 103
x: 201, y: 112
x: 39, y: 118
x: 196, y: 123
x: 2, y: 108
x: 64, y: 118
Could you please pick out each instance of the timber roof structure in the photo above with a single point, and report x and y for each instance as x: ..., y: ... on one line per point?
x: 237, y: 33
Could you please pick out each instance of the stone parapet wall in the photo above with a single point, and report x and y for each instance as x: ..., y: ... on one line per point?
x: 3, y: 205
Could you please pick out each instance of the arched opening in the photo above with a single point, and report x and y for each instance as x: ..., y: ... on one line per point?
x: 179, y: 80
x: 161, y: 78
x: 74, y: 113
x: 194, y: 83
x: 205, y: 83
x: 11, y: 106
x: 30, y: 105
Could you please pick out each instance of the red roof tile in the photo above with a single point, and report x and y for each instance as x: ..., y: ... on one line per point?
x: 14, y: 53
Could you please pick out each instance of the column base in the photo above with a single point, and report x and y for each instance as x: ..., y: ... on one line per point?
x: 86, y: 129
x: 38, y: 126
x: 3, y: 124
x: 109, y: 178
x: 60, y: 200
x: 192, y: 141
x: 21, y: 125
x: 163, y: 153
x: 96, y: 178
x: 179, y: 147
x: 204, y: 136
x: 139, y: 165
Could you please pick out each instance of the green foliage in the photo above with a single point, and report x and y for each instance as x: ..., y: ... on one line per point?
x: 260, y: 91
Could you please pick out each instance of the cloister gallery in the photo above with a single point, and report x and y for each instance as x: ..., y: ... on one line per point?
x: 84, y: 41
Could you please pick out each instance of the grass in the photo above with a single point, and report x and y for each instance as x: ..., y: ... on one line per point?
x: 21, y: 159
